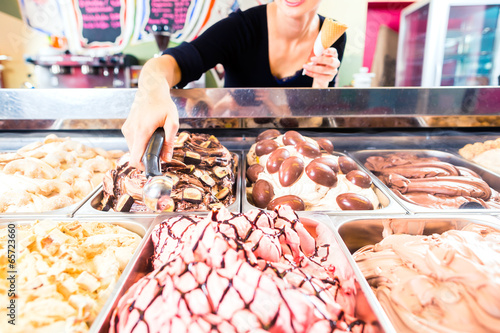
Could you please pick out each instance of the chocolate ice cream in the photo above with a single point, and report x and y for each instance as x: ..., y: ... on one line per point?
x: 429, y: 182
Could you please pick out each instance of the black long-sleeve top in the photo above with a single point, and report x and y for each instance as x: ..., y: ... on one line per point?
x: 240, y: 43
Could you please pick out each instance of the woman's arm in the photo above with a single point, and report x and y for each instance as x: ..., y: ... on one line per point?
x: 153, y: 107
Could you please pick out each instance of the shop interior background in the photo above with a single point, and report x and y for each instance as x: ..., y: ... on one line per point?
x: 461, y: 51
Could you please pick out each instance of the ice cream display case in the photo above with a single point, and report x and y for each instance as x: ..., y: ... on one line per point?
x: 330, y: 136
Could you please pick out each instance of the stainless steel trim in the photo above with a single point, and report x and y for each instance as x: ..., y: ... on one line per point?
x: 63, y: 105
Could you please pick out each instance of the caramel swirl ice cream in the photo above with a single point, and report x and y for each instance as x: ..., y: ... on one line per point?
x: 437, y: 283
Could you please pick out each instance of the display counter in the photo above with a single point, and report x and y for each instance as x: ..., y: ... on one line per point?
x: 372, y: 131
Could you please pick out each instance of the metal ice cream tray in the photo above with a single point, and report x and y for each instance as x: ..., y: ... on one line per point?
x: 355, y: 233
x: 11, y: 143
x: 142, y: 265
x: 492, y: 179
x: 90, y: 207
x: 388, y: 203
x: 140, y: 226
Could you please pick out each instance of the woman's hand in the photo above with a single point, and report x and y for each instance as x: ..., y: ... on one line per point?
x: 324, y: 68
x: 153, y: 107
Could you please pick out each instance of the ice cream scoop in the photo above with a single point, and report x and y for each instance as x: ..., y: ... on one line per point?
x: 157, y: 190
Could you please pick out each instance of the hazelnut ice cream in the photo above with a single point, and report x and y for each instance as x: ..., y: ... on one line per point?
x: 305, y: 174
x: 202, y: 171
x: 66, y: 271
x: 431, y: 183
x: 253, y: 272
x: 437, y: 283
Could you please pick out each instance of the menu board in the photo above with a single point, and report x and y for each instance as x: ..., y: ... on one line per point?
x: 167, y: 15
x: 100, y: 20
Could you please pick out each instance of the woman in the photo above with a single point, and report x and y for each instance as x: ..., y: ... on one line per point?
x: 265, y: 46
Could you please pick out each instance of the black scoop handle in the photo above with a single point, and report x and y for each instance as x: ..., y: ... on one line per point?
x: 151, y: 157
x: 471, y: 205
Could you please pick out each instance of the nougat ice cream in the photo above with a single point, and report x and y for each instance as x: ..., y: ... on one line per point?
x: 253, y: 272
x: 432, y: 183
x: 304, y: 173
x: 66, y: 271
x: 202, y: 171
x: 437, y: 283
x: 51, y: 174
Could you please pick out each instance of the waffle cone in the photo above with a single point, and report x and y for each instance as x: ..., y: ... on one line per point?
x: 331, y: 31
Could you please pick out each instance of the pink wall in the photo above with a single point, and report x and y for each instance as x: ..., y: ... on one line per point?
x: 387, y: 13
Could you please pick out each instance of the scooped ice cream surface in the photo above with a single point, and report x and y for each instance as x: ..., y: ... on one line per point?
x: 253, y: 272
x: 437, y: 283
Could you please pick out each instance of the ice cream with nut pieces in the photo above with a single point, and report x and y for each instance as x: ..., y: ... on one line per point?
x: 202, y: 170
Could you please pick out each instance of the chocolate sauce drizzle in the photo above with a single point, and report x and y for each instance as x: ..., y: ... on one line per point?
x: 313, y: 288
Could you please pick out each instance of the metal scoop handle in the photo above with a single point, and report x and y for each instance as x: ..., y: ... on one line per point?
x: 151, y: 157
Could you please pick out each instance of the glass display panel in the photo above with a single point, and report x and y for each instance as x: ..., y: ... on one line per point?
x: 470, y: 46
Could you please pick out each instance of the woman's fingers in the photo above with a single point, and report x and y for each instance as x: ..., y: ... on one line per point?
x: 324, y: 66
x: 171, y: 127
x: 140, y: 139
x: 143, y: 120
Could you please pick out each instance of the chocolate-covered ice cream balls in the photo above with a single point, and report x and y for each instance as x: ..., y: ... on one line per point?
x: 266, y: 147
x: 276, y: 159
x: 353, y: 201
x: 253, y: 172
x: 290, y: 170
x: 347, y: 164
x: 325, y: 144
x: 359, y: 178
x: 321, y: 174
x: 292, y: 201
x: 291, y: 138
x: 262, y: 193
x: 268, y: 134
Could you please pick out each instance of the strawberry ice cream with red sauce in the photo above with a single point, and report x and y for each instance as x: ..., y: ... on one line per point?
x: 230, y: 272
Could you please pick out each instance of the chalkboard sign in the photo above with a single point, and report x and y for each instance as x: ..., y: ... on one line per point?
x: 101, y: 20
x: 167, y: 15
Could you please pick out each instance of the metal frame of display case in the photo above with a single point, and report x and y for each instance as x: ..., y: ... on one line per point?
x: 22, y: 109
x: 437, y: 28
